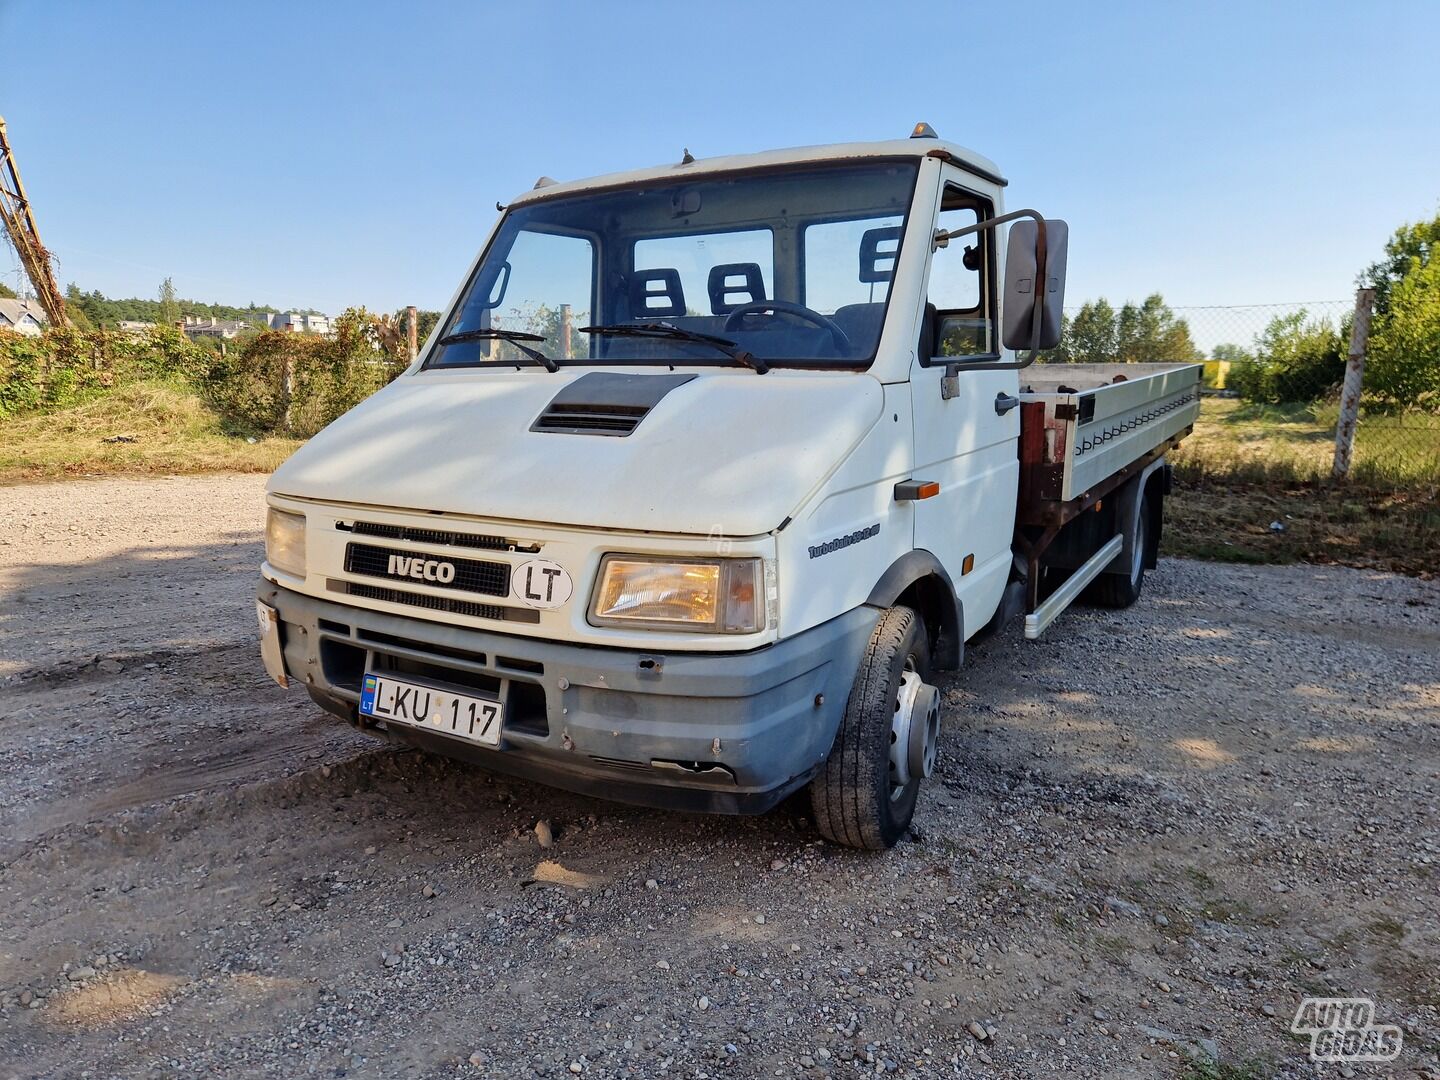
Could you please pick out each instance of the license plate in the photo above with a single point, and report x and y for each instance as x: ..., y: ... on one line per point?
x: 467, y: 716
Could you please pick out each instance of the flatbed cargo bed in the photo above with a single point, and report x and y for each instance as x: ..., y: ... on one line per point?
x: 1082, y: 424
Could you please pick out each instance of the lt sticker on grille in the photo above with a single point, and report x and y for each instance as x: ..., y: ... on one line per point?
x: 540, y: 583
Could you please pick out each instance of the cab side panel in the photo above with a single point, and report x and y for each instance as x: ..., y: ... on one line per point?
x: 843, y: 539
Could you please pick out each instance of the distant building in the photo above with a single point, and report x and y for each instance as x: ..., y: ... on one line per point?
x: 134, y: 327
x: 225, y: 329
x: 296, y: 323
x: 23, y: 317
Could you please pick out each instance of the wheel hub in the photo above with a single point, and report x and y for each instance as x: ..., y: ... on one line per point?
x: 914, y: 732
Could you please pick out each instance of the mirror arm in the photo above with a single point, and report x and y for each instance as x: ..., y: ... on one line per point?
x: 1037, y: 310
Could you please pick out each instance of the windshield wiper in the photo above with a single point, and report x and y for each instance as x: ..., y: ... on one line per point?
x: 675, y: 333
x: 514, y: 337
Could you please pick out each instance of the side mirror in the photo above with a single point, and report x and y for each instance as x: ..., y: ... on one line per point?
x: 1025, y: 264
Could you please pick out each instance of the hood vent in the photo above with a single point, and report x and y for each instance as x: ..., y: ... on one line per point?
x: 590, y: 419
x: 605, y: 403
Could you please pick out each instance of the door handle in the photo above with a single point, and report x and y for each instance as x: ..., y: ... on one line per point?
x: 1004, y: 403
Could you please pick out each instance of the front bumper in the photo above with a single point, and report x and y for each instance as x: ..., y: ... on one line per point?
x: 717, y: 732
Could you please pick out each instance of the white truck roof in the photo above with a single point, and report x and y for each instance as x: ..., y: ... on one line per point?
x: 889, y: 148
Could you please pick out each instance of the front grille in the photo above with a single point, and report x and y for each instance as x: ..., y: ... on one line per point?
x: 434, y: 603
x: 434, y: 536
x: 619, y: 763
x: 471, y: 575
x: 375, y: 637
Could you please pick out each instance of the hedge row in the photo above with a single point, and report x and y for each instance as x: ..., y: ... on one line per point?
x: 272, y: 381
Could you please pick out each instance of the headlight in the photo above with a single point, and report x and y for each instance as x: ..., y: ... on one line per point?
x: 708, y: 596
x: 285, y: 541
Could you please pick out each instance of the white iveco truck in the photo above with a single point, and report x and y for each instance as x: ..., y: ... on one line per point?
x: 706, y: 470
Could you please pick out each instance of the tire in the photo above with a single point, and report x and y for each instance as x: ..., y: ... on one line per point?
x: 1122, y: 590
x: 854, y: 797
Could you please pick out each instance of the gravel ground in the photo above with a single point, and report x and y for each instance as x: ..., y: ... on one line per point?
x: 1151, y: 834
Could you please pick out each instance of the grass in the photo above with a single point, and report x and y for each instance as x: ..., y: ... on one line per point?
x: 1204, y: 1069
x: 1292, y: 444
x: 1199, y: 878
x: 1229, y: 521
x: 137, y: 429
x: 1114, y: 948
x: 1245, y: 467
x: 1387, y: 927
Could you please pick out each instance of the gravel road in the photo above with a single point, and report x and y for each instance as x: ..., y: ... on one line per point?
x: 1152, y: 834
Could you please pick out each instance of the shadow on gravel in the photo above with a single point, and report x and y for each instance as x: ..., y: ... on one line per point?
x: 143, y: 601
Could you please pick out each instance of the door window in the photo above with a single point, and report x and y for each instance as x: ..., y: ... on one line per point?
x: 962, y: 282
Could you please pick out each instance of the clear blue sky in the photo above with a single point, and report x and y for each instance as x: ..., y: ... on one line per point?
x: 329, y: 154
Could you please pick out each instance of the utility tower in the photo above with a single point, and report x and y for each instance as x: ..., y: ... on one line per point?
x: 20, y: 227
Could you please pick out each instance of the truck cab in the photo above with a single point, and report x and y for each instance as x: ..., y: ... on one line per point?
x: 705, y: 471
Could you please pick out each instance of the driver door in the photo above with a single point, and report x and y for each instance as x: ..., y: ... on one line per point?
x: 962, y: 442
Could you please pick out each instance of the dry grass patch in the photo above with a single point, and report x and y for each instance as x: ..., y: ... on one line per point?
x: 1351, y: 526
x: 138, y: 429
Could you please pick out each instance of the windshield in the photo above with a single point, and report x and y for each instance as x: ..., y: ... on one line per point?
x: 704, y: 257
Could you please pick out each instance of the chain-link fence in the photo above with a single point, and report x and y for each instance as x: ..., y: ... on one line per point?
x: 1274, y: 375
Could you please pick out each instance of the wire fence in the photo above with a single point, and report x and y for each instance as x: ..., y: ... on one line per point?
x: 1274, y: 376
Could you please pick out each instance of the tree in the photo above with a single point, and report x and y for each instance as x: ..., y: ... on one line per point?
x: 169, y: 311
x: 1137, y: 333
x: 1404, y: 362
x: 105, y: 311
x: 424, y: 323
x: 1090, y: 336
x: 1152, y: 332
x: 1410, y: 244
x: 7, y: 293
x: 1296, y: 360
x: 1234, y: 354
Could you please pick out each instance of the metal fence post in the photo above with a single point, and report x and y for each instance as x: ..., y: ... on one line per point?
x: 1354, y: 380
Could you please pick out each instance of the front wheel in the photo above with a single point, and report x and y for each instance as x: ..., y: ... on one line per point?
x: 865, y: 794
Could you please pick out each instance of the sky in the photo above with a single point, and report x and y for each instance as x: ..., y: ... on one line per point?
x: 308, y: 154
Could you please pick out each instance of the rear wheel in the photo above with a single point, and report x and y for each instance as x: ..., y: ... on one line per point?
x: 865, y: 794
x: 1122, y: 590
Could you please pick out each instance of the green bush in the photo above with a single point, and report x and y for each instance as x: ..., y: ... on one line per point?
x: 69, y: 365
x: 298, y: 383
x: 1295, y: 360
x: 274, y: 381
x: 1403, y: 367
